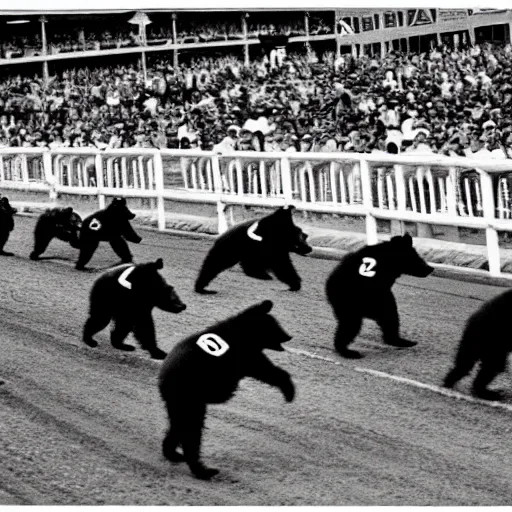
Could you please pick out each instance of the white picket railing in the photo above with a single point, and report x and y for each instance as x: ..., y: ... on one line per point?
x: 424, y: 189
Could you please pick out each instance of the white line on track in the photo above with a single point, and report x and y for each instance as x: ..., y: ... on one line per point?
x: 311, y: 355
x: 436, y: 389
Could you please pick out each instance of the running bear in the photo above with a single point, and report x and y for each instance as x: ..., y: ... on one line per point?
x: 485, y: 340
x: 360, y: 287
x: 61, y: 223
x: 112, y: 224
x: 7, y: 213
x: 260, y: 247
x: 127, y: 295
x: 206, y: 368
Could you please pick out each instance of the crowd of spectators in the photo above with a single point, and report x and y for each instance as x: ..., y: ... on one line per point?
x: 452, y: 102
x: 63, y: 39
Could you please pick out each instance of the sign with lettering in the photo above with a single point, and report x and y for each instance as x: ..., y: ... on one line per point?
x: 447, y: 15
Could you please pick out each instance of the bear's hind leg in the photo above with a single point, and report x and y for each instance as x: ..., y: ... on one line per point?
x: 96, y: 322
x: 490, y: 368
x: 214, y: 263
x: 349, y: 325
x: 3, y: 241
x: 464, y: 363
x: 87, y: 249
x: 122, y: 328
x: 41, y: 242
x: 172, y: 439
x: 190, y: 427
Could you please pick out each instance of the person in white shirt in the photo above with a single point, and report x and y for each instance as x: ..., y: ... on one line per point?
x: 478, y: 149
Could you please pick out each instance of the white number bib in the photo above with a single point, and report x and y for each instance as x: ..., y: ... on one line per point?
x: 212, y: 344
x: 367, y: 266
x: 251, y: 232
x: 123, y: 281
x: 95, y: 225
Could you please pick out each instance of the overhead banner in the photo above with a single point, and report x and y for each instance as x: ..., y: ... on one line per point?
x: 448, y: 15
x: 486, y: 11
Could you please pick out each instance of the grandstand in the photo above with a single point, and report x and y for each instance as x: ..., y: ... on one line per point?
x: 43, y: 37
x: 361, y: 80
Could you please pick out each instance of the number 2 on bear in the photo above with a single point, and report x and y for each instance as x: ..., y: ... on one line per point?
x: 366, y: 268
x: 212, y: 344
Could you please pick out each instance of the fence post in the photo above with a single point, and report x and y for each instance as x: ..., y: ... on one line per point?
x: 24, y: 168
x: 491, y: 235
x: 401, y: 197
x: 49, y: 176
x: 451, y: 191
x: 286, y: 177
x: 158, y: 170
x: 99, y: 180
x: 222, y: 222
x: 366, y: 189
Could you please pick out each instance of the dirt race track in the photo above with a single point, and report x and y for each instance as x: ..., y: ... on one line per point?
x: 84, y: 426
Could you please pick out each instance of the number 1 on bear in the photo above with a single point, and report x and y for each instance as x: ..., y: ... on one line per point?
x: 366, y: 268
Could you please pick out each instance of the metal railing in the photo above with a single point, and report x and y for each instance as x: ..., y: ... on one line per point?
x: 424, y: 189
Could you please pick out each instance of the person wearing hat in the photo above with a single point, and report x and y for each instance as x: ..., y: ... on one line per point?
x: 419, y: 143
x: 306, y: 143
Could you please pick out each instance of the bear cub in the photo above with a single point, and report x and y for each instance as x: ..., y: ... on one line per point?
x: 485, y: 340
x: 260, y: 247
x: 7, y: 213
x: 360, y: 287
x: 206, y: 368
x: 61, y: 223
x: 127, y: 295
x: 112, y: 225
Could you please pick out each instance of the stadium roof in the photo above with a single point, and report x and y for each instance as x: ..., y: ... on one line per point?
x: 26, y: 7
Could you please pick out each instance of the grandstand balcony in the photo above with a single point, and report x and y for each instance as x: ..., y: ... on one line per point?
x: 43, y: 37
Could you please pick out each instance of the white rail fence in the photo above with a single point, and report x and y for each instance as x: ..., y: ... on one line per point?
x: 425, y: 189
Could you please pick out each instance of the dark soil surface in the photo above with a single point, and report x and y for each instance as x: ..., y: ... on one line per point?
x: 82, y: 426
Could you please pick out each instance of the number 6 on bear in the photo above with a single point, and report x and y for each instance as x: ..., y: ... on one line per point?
x: 366, y: 268
x: 212, y: 344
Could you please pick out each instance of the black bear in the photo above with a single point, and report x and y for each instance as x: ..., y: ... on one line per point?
x: 486, y: 340
x: 61, y: 223
x: 112, y: 224
x: 206, y: 368
x: 127, y: 295
x: 360, y: 287
x: 260, y: 247
x: 6, y: 224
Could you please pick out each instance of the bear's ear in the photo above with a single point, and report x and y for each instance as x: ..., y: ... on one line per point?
x: 404, y: 241
x: 407, y: 240
x: 68, y: 210
x: 260, y: 309
x: 287, y: 210
x: 159, y: 263
x: 265, y: 306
